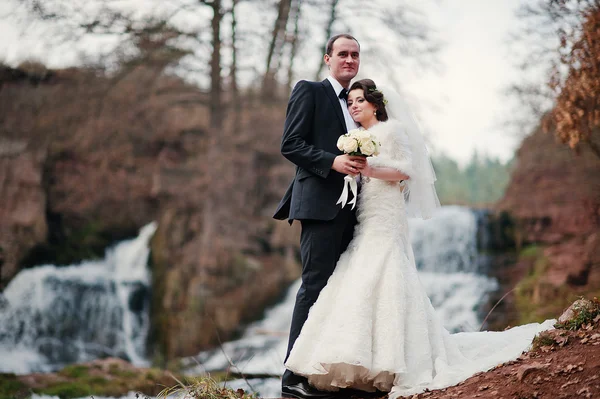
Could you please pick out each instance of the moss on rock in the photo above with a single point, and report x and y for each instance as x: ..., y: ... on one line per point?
x: 107, y: 377
x: 536, y: 298
x: 12, y: 387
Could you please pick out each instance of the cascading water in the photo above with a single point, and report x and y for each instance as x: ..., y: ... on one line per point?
x: 52, y: 316
x: 449, y: 267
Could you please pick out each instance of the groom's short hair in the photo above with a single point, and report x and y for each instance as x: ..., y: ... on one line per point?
x: 329, y: 47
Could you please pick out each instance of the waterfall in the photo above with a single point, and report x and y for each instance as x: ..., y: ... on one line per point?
x: 51, y: 316
x: 446, y: 243
x: 450, y: 268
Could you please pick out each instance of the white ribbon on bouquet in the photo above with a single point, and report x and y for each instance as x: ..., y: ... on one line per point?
x: 351, y: 185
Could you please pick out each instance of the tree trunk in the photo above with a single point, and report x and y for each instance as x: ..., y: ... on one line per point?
x: 216, y: 83
x: 328, y: 28
x: 236, y: 100
x: 278, y: 39
x: 294, y: 43
x: 214, y: 152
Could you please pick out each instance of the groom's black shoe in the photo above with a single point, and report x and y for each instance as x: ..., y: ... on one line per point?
x: 302, y: 390
x: 349, y: 393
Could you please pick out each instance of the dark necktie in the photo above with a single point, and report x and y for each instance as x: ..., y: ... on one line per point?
x: 343, y: 95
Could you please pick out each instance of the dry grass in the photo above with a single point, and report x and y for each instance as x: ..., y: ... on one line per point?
x: 204, y: 388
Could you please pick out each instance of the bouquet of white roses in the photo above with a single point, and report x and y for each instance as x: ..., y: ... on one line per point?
x: 355, y: 142
x: 358, y: 142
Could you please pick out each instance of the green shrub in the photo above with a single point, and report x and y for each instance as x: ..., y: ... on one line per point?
x: 584, y: 313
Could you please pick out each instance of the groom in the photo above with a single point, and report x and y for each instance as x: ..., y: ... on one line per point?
x: 317, y: 114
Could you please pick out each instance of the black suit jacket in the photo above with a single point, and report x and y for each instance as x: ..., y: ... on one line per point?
x: 314, y: 122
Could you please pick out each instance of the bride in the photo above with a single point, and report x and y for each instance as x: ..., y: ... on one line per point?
x: 373, y: 326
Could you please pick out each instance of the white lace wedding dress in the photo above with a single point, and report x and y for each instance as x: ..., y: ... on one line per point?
x: 373, y: 325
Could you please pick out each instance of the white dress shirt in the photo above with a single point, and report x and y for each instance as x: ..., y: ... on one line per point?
x: 350, y: 124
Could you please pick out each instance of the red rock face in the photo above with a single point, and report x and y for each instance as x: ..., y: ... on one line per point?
x: 572, y: 260
x: 22, y: 204
x: 554, y: 197
x: 554, y: 192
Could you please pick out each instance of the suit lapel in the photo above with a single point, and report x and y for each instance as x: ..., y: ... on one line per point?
x: 335, y: 101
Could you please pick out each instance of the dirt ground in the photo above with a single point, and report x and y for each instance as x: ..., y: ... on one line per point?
x: 565, y: 365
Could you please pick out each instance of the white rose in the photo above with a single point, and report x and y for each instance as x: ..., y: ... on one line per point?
x: 350, y: 145
x: 368, y: 147
x: 364, y: 140
x: 340, y: 143
x: 362, y: 135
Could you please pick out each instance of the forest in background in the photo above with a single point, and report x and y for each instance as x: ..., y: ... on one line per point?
x: 479, y: 184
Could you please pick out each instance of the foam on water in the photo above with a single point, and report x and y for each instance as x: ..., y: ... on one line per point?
x: 52, y: 316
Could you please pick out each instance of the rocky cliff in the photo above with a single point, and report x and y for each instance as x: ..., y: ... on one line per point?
x: 23, y: 204
x: 554, y: 200
x: 86, y: 159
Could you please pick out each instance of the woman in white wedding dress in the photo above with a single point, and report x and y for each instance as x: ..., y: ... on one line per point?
x: 373, y: 326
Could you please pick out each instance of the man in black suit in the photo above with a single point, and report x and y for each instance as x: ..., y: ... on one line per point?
x: 316, y: 116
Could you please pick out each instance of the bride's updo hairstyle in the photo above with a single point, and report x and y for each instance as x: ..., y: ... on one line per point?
x: 373, y: 96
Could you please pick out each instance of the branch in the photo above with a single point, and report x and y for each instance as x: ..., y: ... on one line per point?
x: 594, y: 147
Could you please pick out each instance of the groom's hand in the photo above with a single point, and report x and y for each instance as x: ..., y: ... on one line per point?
x: 349, y: 164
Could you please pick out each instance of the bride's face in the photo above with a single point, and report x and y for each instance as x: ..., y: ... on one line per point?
x: 361, y: 110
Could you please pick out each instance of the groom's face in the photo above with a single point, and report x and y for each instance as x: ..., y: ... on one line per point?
x: 344, y: 60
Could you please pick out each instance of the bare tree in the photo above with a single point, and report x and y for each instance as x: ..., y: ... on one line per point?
x: 233, y: 75
x: 294, y: 42
x: 234, y: 53
x: 278, y: 39
x: 332, y: 6
x: 403, y: 38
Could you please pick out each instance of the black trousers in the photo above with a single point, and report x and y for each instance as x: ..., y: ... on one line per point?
x: 321, y: 244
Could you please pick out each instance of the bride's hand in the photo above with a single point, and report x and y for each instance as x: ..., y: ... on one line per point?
x: 367, y: 171
x: 349, y: 164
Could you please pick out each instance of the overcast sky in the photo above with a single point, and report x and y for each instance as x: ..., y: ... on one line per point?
x: 477, y: 69
x: 463, y: 107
